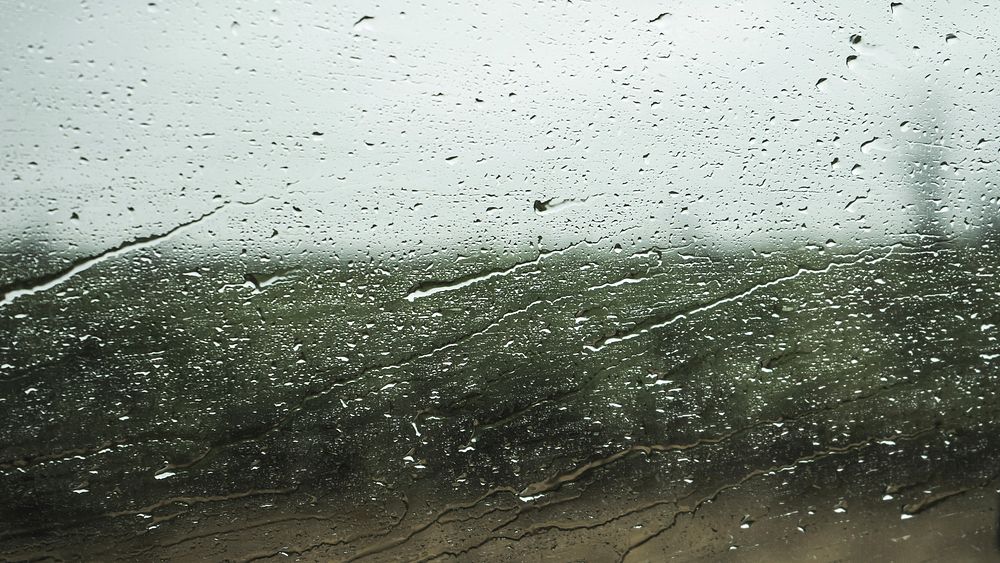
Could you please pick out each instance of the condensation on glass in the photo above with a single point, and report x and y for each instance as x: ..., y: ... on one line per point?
x: 560, y: 281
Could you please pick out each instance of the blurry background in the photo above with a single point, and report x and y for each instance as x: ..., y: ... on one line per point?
x: 499, y: 281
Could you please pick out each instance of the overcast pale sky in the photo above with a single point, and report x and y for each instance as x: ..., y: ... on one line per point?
x: 411, y: 125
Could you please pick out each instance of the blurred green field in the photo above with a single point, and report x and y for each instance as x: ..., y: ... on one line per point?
x: 158, y: 402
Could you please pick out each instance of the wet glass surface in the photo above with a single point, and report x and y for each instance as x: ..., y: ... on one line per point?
x: 580, y: 281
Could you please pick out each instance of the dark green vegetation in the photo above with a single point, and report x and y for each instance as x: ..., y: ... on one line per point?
x: 583, y: 404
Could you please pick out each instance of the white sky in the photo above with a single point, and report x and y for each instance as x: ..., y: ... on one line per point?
x: 708, y: 120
